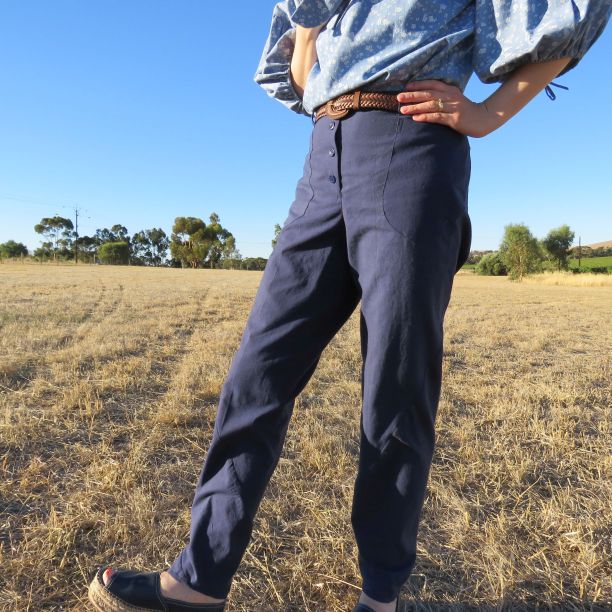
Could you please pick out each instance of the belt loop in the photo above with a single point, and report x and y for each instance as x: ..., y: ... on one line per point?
x: 356, y: 100
x: 312, y: 116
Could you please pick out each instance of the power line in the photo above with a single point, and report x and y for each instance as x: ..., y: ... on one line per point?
x: 30, y: 201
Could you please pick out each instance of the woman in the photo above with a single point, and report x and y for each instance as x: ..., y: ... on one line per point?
x: 380, y: 217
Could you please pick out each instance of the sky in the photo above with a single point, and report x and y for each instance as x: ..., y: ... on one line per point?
x: 139, y: 111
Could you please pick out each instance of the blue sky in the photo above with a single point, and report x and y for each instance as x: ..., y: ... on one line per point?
x: 140, y: 111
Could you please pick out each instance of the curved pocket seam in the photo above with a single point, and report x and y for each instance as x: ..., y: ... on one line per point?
x: 300, y: 215
x: 382, y: 197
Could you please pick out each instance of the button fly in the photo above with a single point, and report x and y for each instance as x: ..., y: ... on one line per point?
x: 332, y: 178
x: 332, y: 152
x: 331, y: 126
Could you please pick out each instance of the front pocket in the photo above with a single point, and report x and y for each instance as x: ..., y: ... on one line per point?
x: 427, y: 177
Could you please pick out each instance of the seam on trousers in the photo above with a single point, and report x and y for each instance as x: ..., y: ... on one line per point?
x: 222, y: 415
x: 382, y: 195
x: 236, y: 488
x: 309, y: 180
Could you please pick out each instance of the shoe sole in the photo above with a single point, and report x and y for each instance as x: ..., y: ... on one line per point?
x: 104, y: 601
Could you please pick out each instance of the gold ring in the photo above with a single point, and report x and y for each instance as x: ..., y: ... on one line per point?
x: 440, y: 104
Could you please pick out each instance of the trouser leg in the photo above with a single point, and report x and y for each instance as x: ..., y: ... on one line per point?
x: 405, y: 206
x: 307, y: 292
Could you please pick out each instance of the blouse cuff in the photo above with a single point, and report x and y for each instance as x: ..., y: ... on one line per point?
x: 285, y: 93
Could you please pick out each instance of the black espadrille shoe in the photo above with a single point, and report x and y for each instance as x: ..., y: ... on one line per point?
x: 129, y: 591
x: 361, y: 607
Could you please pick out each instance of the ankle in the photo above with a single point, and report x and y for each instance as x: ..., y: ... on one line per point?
x: 378, y: 606
x: 174, y: 589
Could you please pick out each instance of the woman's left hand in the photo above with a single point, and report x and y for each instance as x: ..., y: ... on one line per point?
x: 460, y: 113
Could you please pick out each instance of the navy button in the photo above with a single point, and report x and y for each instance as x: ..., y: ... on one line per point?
x: 332, y: 178
x: 331, y: 126
x: 332, y: 152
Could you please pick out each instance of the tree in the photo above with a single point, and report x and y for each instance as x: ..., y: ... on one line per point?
x: 187, y: 233
x: 520, y: 251
x: 87, y: 246
x: 223, y: 243
x: 277, y: 231
x: 149, y: 247
x: 117, y: 233
x: 13, y: 249
x: 195, y: 244
x: 159, y: 245
x: 115, y: 253
x: 232, y: 258
x: 58, y: 231
x: 558, y: 243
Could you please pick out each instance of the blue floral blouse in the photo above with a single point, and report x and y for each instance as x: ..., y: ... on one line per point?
x: 380, y: 45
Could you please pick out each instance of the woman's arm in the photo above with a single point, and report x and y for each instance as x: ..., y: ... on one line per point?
x: 304, y: 56
x: 520, y: 87
x: 478, y: 118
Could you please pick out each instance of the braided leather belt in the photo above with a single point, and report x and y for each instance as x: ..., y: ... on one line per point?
x: 340, y: 106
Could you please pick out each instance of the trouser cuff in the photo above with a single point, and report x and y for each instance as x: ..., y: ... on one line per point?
x: 383, y: 585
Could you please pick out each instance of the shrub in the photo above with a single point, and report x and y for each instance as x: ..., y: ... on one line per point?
x: 13, y: 249
x: 595, y: 270
x: 114, y: 253
x: 491, y: 264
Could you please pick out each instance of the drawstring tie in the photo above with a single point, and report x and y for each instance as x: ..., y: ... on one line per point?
x: 550, y: 93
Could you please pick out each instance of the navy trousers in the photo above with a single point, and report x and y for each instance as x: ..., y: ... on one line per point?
x: 380, y: 216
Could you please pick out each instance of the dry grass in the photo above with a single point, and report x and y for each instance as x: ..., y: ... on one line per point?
x: 110, y: 378
x: 584, y: 279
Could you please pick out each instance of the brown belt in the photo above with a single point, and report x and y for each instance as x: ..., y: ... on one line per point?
x: 340, y: 106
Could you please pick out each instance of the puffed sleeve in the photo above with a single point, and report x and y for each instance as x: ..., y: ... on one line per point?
x: 511, y: 33
x: 273, y: 70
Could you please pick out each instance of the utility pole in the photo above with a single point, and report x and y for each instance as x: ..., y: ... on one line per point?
x: 76, y: 235
x: 579, y: 252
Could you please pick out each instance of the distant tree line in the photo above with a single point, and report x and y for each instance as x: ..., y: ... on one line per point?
x: 112, y: 246
x: 587, y: 251
x: 196, y: 244
x: 192, y: 244
x: 520, y: 253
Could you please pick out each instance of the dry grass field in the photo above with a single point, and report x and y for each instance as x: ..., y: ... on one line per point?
x: 109, y: 382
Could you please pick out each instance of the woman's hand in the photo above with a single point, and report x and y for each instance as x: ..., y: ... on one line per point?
x: 460, y: 113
